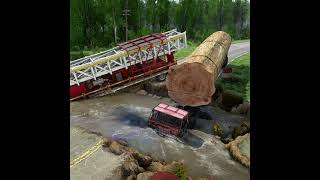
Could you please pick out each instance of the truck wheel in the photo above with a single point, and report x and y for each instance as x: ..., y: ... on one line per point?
x: 162, y: 77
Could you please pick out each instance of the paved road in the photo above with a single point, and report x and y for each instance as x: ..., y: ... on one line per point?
x: 235, y: 51
x: 238, y: 49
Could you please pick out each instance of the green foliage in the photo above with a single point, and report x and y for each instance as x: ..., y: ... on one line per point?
x: 217, y: 130
x: 181, y: 172
x: 100, y: 23
x: 241, y: 73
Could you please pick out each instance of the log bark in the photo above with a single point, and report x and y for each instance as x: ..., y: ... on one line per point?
x: 192, y: 83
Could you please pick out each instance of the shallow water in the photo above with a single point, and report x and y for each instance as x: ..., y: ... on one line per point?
x: 124, y: 116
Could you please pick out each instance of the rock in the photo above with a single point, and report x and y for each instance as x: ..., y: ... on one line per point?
x: 226, y: 140
x: 154, y: 96
x: 234, y: 110
x: 243, y: 108
x: 142, y: 92
x: 144, y: 161
x: 150, y: 95
x: 131, y: 177
x: 164, y: 176
x: 117, y: 148
x: 106, y: 142
x: 157, y: 88
x: 122, y: 142
x: 131, y: 167
x: 157, y: 166
x: 145, y: 175
x: 235, y: 151
x: 188, y: 178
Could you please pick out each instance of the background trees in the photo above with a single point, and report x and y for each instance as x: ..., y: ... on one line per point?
x: 100, y: 23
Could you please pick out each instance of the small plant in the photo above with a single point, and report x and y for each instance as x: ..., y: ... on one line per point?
x: 217, y: 130
x: 181, y: 171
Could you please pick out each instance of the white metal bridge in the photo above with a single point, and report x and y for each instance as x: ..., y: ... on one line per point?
x: 106, y: 62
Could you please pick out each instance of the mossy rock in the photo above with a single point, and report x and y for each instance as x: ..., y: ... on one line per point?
x: 243, y: 129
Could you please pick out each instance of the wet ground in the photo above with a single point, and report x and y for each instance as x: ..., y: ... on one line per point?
x: 124, y: 117
x: 88, y: 160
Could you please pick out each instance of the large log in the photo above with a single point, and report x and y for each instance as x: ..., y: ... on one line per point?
x: 192, y: 83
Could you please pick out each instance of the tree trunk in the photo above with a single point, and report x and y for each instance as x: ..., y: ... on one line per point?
x: 192, y: 83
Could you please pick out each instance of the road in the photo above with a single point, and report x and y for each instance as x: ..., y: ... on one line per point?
x: 235, y: 50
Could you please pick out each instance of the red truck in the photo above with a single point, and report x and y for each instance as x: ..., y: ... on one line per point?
x: 166, y: 119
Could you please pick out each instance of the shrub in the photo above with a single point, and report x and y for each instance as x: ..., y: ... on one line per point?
x: 217, y: 130
x: 181, y: 172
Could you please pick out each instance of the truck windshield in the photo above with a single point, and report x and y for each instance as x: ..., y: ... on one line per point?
x: 166, y: 119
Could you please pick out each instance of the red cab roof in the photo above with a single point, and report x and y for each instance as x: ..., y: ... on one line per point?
x: 172, y: 111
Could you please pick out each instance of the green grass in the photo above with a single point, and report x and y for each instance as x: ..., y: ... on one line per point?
x: 240, y: 41
x: 241, y: 72
x: 79, y: 54
x: 186, y: 51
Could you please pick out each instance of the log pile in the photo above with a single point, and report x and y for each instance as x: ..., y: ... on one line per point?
x: 192, y: 83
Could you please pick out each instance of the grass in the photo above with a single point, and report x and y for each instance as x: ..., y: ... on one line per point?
x: 183, y: 53
x: 186, y: 51
x: 241, y: 72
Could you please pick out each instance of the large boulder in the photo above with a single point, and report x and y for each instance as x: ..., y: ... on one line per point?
x: 131, y: 167
x: 117, y: 148
x: 145, y: 175
x: 144, y: 161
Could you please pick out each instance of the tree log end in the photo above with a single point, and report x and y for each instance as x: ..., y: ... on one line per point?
x: 190, y: 84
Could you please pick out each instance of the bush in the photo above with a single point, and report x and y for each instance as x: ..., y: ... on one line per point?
x: 217, y: 130
x: 181, y: 172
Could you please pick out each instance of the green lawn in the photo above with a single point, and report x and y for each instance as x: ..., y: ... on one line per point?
x: 186, y: 51
x: 241, y: 73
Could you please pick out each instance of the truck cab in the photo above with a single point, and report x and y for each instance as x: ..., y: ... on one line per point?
x: 166, y: 119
